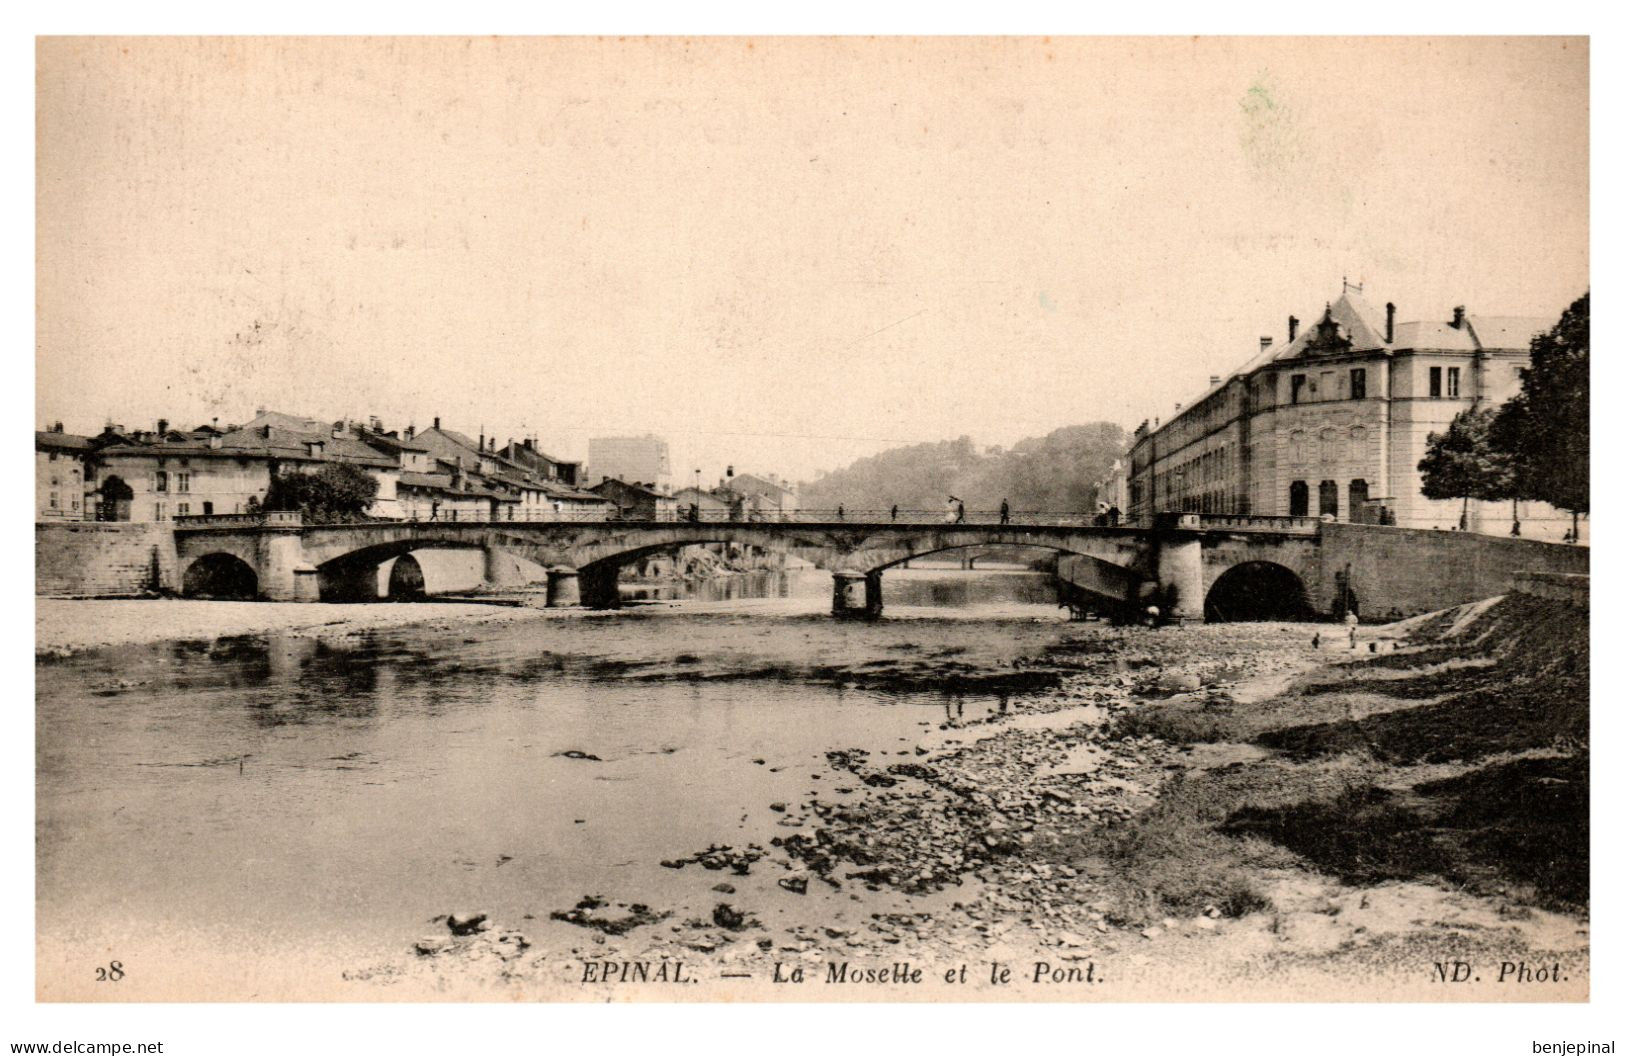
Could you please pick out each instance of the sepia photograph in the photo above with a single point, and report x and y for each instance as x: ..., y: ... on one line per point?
x: 812, y: 519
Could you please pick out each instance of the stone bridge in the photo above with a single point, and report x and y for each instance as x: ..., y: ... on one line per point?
x: 1191, y: 567
x: 279, y: 557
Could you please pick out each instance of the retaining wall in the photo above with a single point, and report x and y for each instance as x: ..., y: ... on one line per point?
x: 93, y: 559
x: 1399, y: 572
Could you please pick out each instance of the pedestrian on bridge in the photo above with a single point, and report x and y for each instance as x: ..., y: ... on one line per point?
x: 1004, y: 511
x: 840, y: 512
x: 894, y: 513
x: 959, y: 512
x: 1352, y: 622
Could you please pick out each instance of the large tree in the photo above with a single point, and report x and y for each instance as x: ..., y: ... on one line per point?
x: 338, y: 491
x: 1545, y: 431
x: 1461, y: 464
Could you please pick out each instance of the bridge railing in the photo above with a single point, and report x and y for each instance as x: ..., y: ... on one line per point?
x: 265, y: 519
x: 510, y: 515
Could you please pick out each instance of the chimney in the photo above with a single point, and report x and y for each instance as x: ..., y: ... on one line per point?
x: 215, y: 421
x: 437, y: 421
x: 1264, y: 343
x: 1460, y: 314
x: 214, y: 441
x: 1291, y: 328
x: 258, y: 411
x: 1213, y: 379
x: 410, y: 430
x: 481, y: 448
x: 1389, y: 337
x: 338, y: 428
x: 266, y: 430
x: 163, y: 426
x: 56, y: 427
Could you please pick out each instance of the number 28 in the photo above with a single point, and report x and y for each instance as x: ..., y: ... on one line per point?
x: 110, y: 974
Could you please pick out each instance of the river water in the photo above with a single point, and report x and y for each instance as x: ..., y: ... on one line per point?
x: 250, y: 817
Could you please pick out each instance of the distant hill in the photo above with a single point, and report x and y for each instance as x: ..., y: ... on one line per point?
x: 1055, y: 473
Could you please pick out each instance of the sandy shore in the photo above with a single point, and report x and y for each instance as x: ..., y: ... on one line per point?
x: 63, y: 626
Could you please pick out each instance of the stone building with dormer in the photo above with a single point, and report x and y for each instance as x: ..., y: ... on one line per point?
x: 1333, y: 422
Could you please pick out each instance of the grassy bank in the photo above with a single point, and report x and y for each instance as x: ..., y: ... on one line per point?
x: 1461, y: 759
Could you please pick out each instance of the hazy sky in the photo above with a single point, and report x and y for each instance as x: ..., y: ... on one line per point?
x: 781, y: 254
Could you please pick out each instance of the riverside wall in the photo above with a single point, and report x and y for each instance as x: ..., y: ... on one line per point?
x: 94, y: 559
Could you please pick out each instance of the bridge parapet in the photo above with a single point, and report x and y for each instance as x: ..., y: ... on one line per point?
x: 1240, y: 523
x: 280, y: 519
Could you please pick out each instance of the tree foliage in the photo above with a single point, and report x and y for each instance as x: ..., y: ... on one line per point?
x: 1461, y: 464
x: 1544, y: 432
x: 1056, y: 473
x: 338, y: 491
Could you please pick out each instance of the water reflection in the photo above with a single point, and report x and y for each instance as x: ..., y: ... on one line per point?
x: 320, y: 790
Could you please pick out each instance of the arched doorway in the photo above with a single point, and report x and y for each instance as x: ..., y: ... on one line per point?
x: 116, y: 498
x: 1256, y: 590
x: 1359, y: 495
x: 220, y: 576
x: 1328, y: 498
x: 1298, y: 499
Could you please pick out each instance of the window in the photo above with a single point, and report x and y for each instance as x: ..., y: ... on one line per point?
x: 53, y: 456
x: 1328, y: 445
x: 160, y: 481
x: 1359, y: 494
x: 1435, y: 382
x: 1328, y: 387
x: 183, y: 509
x: 1452, y: 387
x: 157, y: 511
x: 183, y: 482
x: 55, y: 501
x: 1328, y: 498
x: 1357, y: 383
x: 1297, y: 387
x: 1299, y: 499
x: 208, y: 509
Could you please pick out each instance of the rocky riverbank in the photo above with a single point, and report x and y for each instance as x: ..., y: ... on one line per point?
x: 1216, y: 811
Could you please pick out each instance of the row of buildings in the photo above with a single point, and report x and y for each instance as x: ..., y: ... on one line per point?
x: 432, y: 474
x: 1333, y: 421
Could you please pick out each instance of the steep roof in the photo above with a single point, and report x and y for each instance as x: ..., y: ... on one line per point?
x: 45, y: 440
x: 1509, y: 332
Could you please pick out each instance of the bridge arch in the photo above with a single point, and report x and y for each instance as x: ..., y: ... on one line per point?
x: 1256, y: 590
x: 357, y: 575
x: 220, y: 575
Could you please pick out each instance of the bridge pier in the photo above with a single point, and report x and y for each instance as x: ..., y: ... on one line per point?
x: 1179, y: 576
x: 500, y: 570
x: 563, y: 587
x: 872, y: 603
x: 281, y: 556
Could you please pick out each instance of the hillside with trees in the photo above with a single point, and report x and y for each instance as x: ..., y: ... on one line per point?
x: 1057, y: 473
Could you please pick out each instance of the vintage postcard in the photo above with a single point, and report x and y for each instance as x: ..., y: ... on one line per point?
x: 812, y: 519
